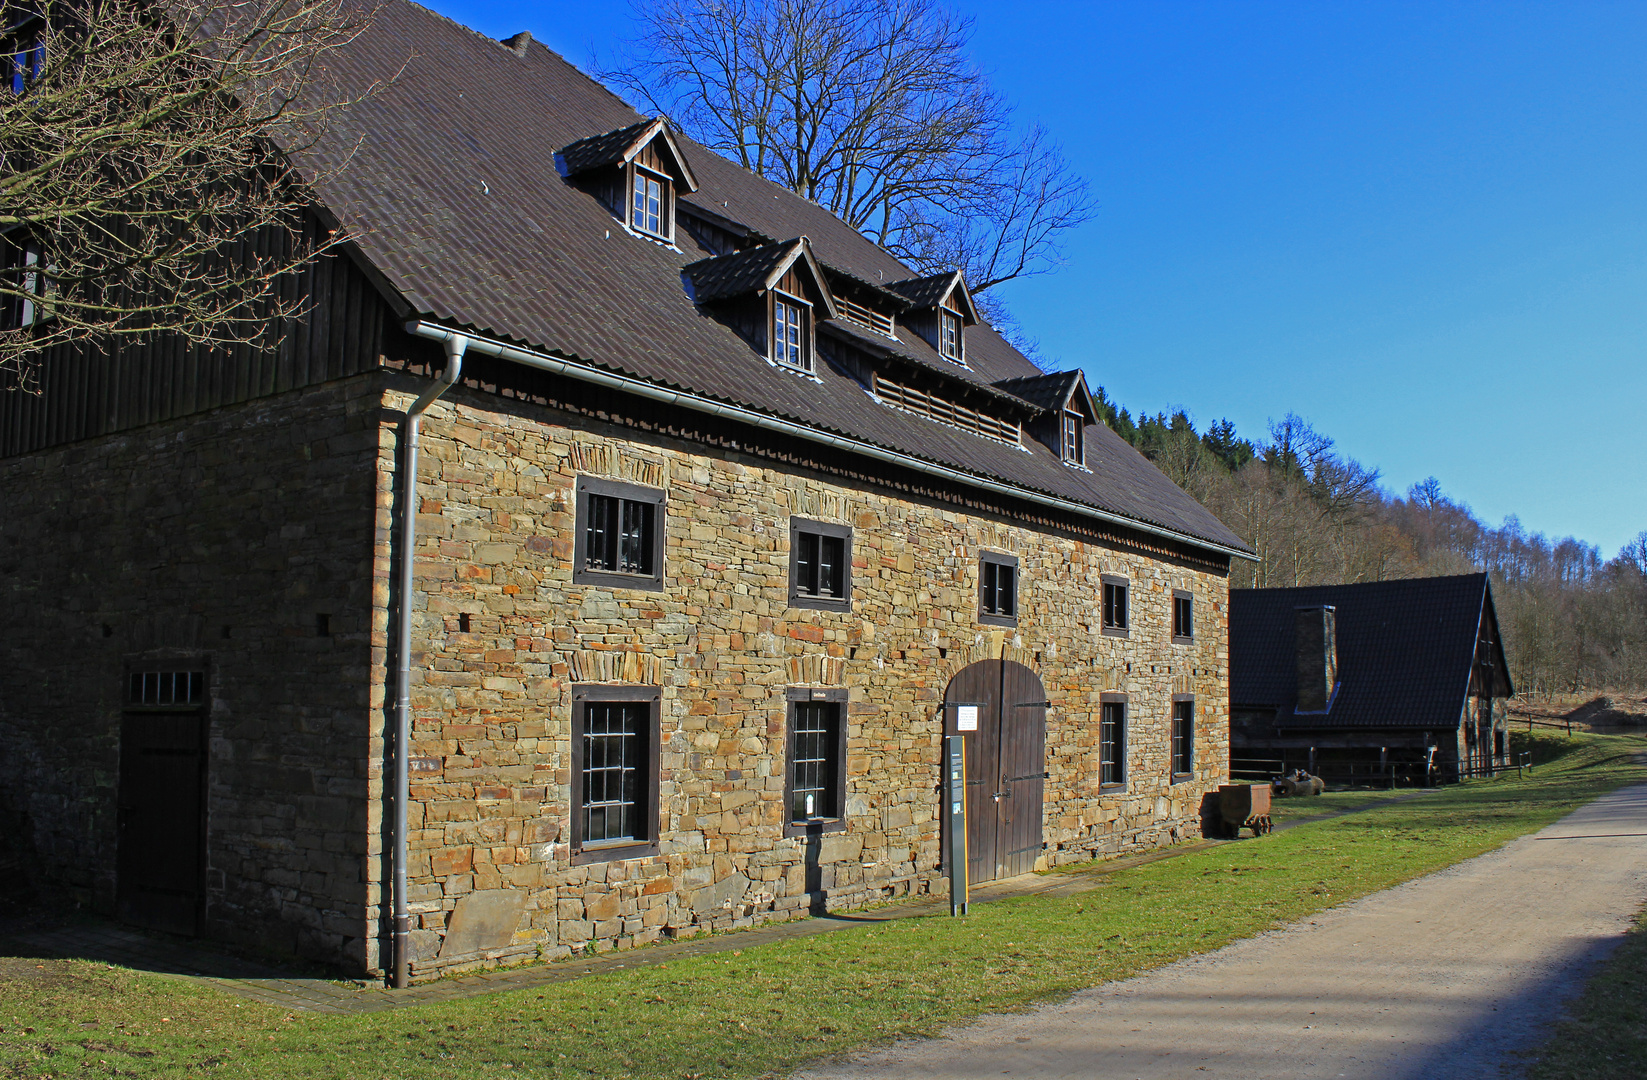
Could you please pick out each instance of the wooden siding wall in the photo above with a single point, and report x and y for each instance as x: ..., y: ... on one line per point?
x: 84, y: 394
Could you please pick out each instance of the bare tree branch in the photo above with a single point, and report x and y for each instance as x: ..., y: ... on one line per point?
x: 145, y: 182
x: 873, y: 109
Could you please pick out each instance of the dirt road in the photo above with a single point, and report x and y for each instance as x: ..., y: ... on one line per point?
x: 1444, y: 977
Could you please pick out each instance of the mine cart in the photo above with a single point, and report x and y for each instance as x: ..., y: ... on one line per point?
x: 1241, y: 805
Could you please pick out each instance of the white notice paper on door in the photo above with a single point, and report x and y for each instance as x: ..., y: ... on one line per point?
x: 966, y: 718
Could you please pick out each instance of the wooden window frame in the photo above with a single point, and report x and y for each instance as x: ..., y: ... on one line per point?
x: 997, y: 558
x: 582, y: 695
x: 1187, y: 597
x: 23, y: 264
x: 1181, y: 775
x: 1120, y: 761
x: 666, y: 202
x: 1107, y: 628
x: 617, y: 579
x: 946, y: 319
x: 812, y: 601
x: 24, y: 48
x: 1072, y: 439
x: 808, y: 363
x: 806, y: 695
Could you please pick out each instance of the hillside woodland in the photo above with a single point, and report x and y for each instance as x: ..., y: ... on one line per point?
x: 1573, y: 620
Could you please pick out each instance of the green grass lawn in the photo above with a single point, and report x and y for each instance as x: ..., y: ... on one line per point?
x: 766, y: 1009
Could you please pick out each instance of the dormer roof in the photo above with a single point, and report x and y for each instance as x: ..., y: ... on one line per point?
x: 939, y: 290
x: 757, y: 270
x: 1057, y: 391
x: 620, y: 147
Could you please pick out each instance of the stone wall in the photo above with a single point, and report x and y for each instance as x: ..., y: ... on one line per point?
x: 217, y: 538
x: 502, y: 634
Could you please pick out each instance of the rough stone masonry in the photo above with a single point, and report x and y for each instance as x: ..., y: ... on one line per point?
x: 220, y: 538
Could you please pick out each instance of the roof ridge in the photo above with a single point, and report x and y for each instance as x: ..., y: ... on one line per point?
x: 1363, y: 584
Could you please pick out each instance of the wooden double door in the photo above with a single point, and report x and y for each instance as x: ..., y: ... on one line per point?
x: 1006, y: 764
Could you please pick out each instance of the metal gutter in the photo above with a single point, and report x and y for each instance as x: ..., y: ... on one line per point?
x: 685, y: 400
x: 456, y: 344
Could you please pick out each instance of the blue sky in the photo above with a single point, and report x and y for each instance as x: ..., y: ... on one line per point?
x: 1423, y: 227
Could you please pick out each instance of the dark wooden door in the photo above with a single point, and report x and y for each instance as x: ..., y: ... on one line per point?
x: 161, y: 820
x: 1023, y: 770
x: 1006, y: 765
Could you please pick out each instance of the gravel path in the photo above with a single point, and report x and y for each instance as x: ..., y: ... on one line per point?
x: 1444, y: 977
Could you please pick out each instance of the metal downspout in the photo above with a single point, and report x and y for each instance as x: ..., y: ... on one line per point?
x: 455, y: 345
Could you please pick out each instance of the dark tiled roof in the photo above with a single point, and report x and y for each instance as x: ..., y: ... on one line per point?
x: 923, y: 292
x: 1048, y: 391
x: 880, y: 345
x: 596, y: 151
x: 451, y: 193
x: 1405, y: 650
x: 739, y: 273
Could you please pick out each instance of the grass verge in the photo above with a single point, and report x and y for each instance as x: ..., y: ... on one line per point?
x: 765, y: 1009
x: 1604, y: 1034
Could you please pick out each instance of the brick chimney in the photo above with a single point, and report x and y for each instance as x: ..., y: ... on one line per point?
x: 1317, y: 644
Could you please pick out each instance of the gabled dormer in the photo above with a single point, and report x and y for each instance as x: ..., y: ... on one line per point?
x: 638, y: 171
x: 940, y: 310
x: 1068, y: 409
x: 772, y: 295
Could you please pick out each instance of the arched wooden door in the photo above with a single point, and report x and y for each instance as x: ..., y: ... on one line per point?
x: 1006, y: 765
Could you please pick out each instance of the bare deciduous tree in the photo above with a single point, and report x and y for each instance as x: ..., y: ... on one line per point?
x: 1572, y: 621
x: 873, y: 109
x: 143, y: 185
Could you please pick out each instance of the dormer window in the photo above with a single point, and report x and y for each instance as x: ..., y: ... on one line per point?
x: 649, y: 206
x: 940, y: 309
x: 791, y: 337
x: 637, y: 171
x: 949, y: 336
x: 769, y: 295
x: 1074, y: 450
x: 1067, y: 410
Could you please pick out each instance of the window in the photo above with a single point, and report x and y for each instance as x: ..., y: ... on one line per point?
x: 820, y: 556
x: 1112, y: 739
x: 1115, y: 606
x: 649, y: 207
x: 166, y: 689
x: 1074, y: 453
x: 949, y: 336
x: 614, y: 772
x: 620, y: 535
x: 998, y: 589
x: 1183, y: 617
x: 790, y: 342
x: 1183, y: 735
x: 20, y: 270
x: 26, y: 58
x: 815, y: 782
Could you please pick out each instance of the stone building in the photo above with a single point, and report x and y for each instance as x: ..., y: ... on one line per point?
x: 1369, y: 682
x: 720, y: 514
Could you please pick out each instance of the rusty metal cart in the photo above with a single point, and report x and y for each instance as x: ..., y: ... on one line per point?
x: 1239, y: 806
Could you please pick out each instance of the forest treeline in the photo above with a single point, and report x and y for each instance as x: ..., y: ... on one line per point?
x: 1573, y: 620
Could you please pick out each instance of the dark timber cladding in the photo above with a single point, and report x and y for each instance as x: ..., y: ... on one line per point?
x: 84, y: 394
x: 1369, y: 677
